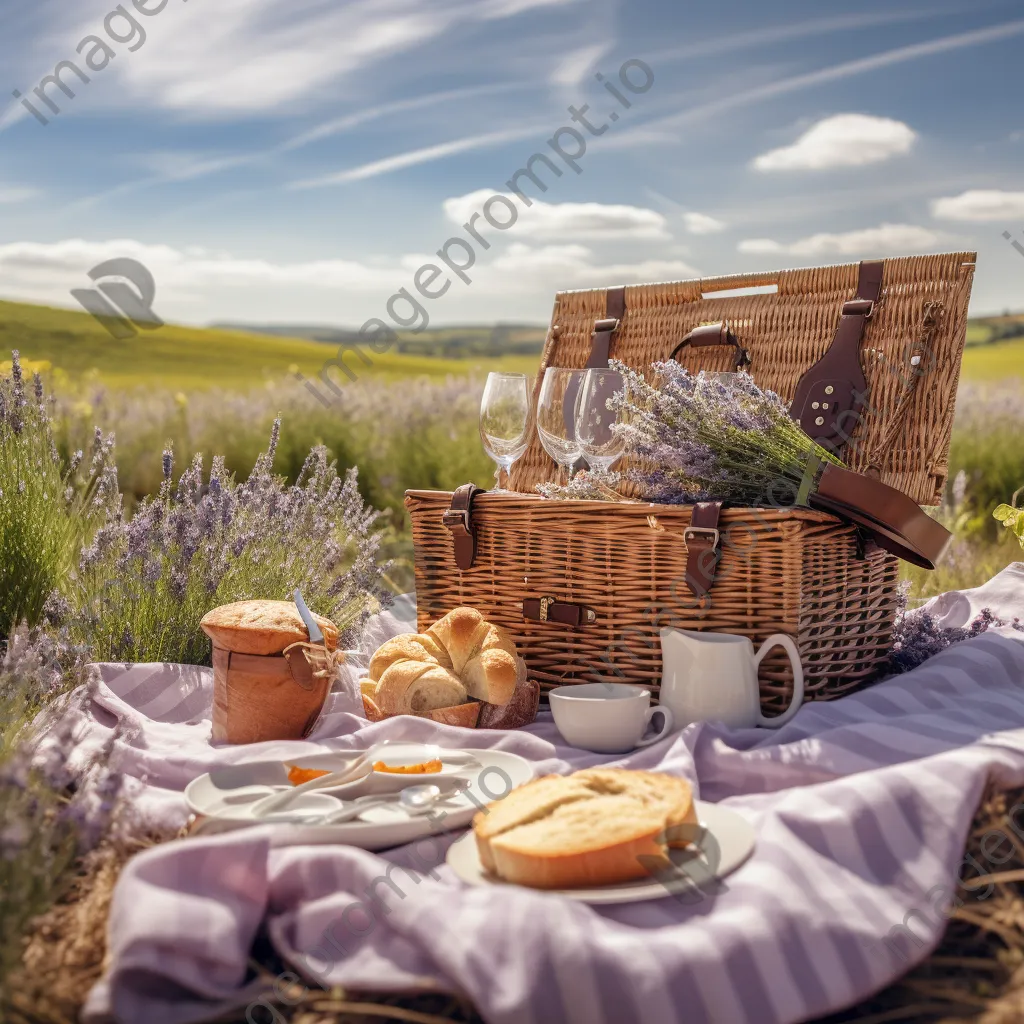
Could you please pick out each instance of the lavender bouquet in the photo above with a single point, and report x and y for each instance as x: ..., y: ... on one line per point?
x: 713, y: 437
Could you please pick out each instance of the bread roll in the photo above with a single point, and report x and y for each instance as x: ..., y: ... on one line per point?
x: 595, y: 827
x: 460, y: 656
x: 261, y: 627
x: 415, y: 687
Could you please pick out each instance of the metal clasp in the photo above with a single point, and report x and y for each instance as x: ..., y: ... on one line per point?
x: 455, y: 517
x: 692, y: 531
x: 545, y: 603
x: 859, y: 307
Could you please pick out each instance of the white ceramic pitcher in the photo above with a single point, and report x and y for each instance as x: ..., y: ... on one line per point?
x: 713, y: 677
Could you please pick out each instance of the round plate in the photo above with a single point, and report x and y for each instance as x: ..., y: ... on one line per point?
x: 216, y: 796
x: 728, y: 841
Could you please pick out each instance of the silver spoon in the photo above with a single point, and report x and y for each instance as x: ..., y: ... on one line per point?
x: 278, y: 801
x: 414, y: 799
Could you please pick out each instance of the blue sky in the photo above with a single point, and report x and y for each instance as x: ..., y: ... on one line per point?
x: 297, y: 160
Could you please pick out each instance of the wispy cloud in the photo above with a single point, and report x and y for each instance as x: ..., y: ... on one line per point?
x: 16, y: 193
x: 573, y: 68
x: 768, y: 35
x: 849, y: 69
x: 882, y: 240
x: 339, y: 125
x: 427, y: 154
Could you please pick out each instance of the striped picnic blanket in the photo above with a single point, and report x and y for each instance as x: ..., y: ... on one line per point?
x: 861, y: 809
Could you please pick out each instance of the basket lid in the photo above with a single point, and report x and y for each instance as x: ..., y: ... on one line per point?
x: 785, y: 321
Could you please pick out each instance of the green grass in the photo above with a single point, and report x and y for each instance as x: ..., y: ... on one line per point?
x: 193, y: 358
x: 994, y: 363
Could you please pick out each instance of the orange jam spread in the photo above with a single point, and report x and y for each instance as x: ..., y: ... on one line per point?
x: 297, y: 776
x: 425, y: 768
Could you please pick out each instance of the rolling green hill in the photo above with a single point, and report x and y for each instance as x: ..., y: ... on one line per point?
x: 190, y: 358
x: 187, y: 358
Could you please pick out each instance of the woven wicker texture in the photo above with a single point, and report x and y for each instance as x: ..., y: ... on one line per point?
x: 903, y: 434
x: 782, y: 571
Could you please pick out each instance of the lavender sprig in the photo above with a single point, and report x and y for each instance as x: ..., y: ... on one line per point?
x: 712, y: 437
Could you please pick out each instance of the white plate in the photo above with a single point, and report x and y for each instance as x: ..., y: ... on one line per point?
x: 216, y: 795
x: 727, y: 842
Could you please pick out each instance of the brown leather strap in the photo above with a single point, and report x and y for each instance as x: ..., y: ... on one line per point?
x: 546, y: 609
x: 713, y: 334
x: 458, y: 518
x: 702, y: 547
x: 888, y: 516
x: 827, y: 393
x: 601, y: 339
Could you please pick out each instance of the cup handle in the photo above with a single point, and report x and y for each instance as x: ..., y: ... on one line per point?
x: 666, y: 725
x: 786, y: 642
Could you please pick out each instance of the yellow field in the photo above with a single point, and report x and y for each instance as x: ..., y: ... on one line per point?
x: 189, y: 358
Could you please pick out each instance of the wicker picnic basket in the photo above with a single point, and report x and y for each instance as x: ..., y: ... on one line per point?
x: 585, y: 587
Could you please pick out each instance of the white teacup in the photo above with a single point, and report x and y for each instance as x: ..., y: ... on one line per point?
x: 608, y: 718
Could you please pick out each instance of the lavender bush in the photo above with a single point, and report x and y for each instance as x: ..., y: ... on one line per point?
x: 47, y: 508
x: 712, y: 437
x: 50, y: 812
x: 144, y: 582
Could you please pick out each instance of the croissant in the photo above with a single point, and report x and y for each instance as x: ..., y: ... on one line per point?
x: 461, y: 656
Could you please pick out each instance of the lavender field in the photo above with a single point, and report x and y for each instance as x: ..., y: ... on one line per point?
x: 421, y: 433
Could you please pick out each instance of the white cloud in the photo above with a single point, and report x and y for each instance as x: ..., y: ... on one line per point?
x: 254, y: 56
x: 573, y: 68
x: 760, y: 245
x: 196, y: 286
x: 980, y: 205
x: 412, y: 158
x: 844, y: 140
x: 702, y: 224
x: 561, y: 222
x: 902, y: 239
x: 16, y: 193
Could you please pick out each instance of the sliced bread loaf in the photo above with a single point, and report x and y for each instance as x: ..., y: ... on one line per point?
x: 595, y: 827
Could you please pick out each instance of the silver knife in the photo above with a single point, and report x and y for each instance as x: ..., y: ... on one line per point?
x: 315, y: 636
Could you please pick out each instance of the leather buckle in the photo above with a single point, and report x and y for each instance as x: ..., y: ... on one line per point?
x: 859, y: 307
x: 691, y: 531
x: 455, y: 517
x: 609, y: 325
x: 545, y: 603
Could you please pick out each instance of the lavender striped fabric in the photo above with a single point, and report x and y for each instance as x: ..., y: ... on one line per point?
x: 861, y: 809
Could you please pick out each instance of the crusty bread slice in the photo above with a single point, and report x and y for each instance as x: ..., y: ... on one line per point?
x: 595, y: 827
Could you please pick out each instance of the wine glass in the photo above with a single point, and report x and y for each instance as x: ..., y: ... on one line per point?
x: 600, y: 444
x: 556, y: 416
x: 505, y: 421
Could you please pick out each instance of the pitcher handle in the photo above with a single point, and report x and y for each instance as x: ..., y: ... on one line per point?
x: 786, y: 642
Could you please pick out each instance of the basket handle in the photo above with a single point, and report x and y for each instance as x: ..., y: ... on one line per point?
x: 713, y: 334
